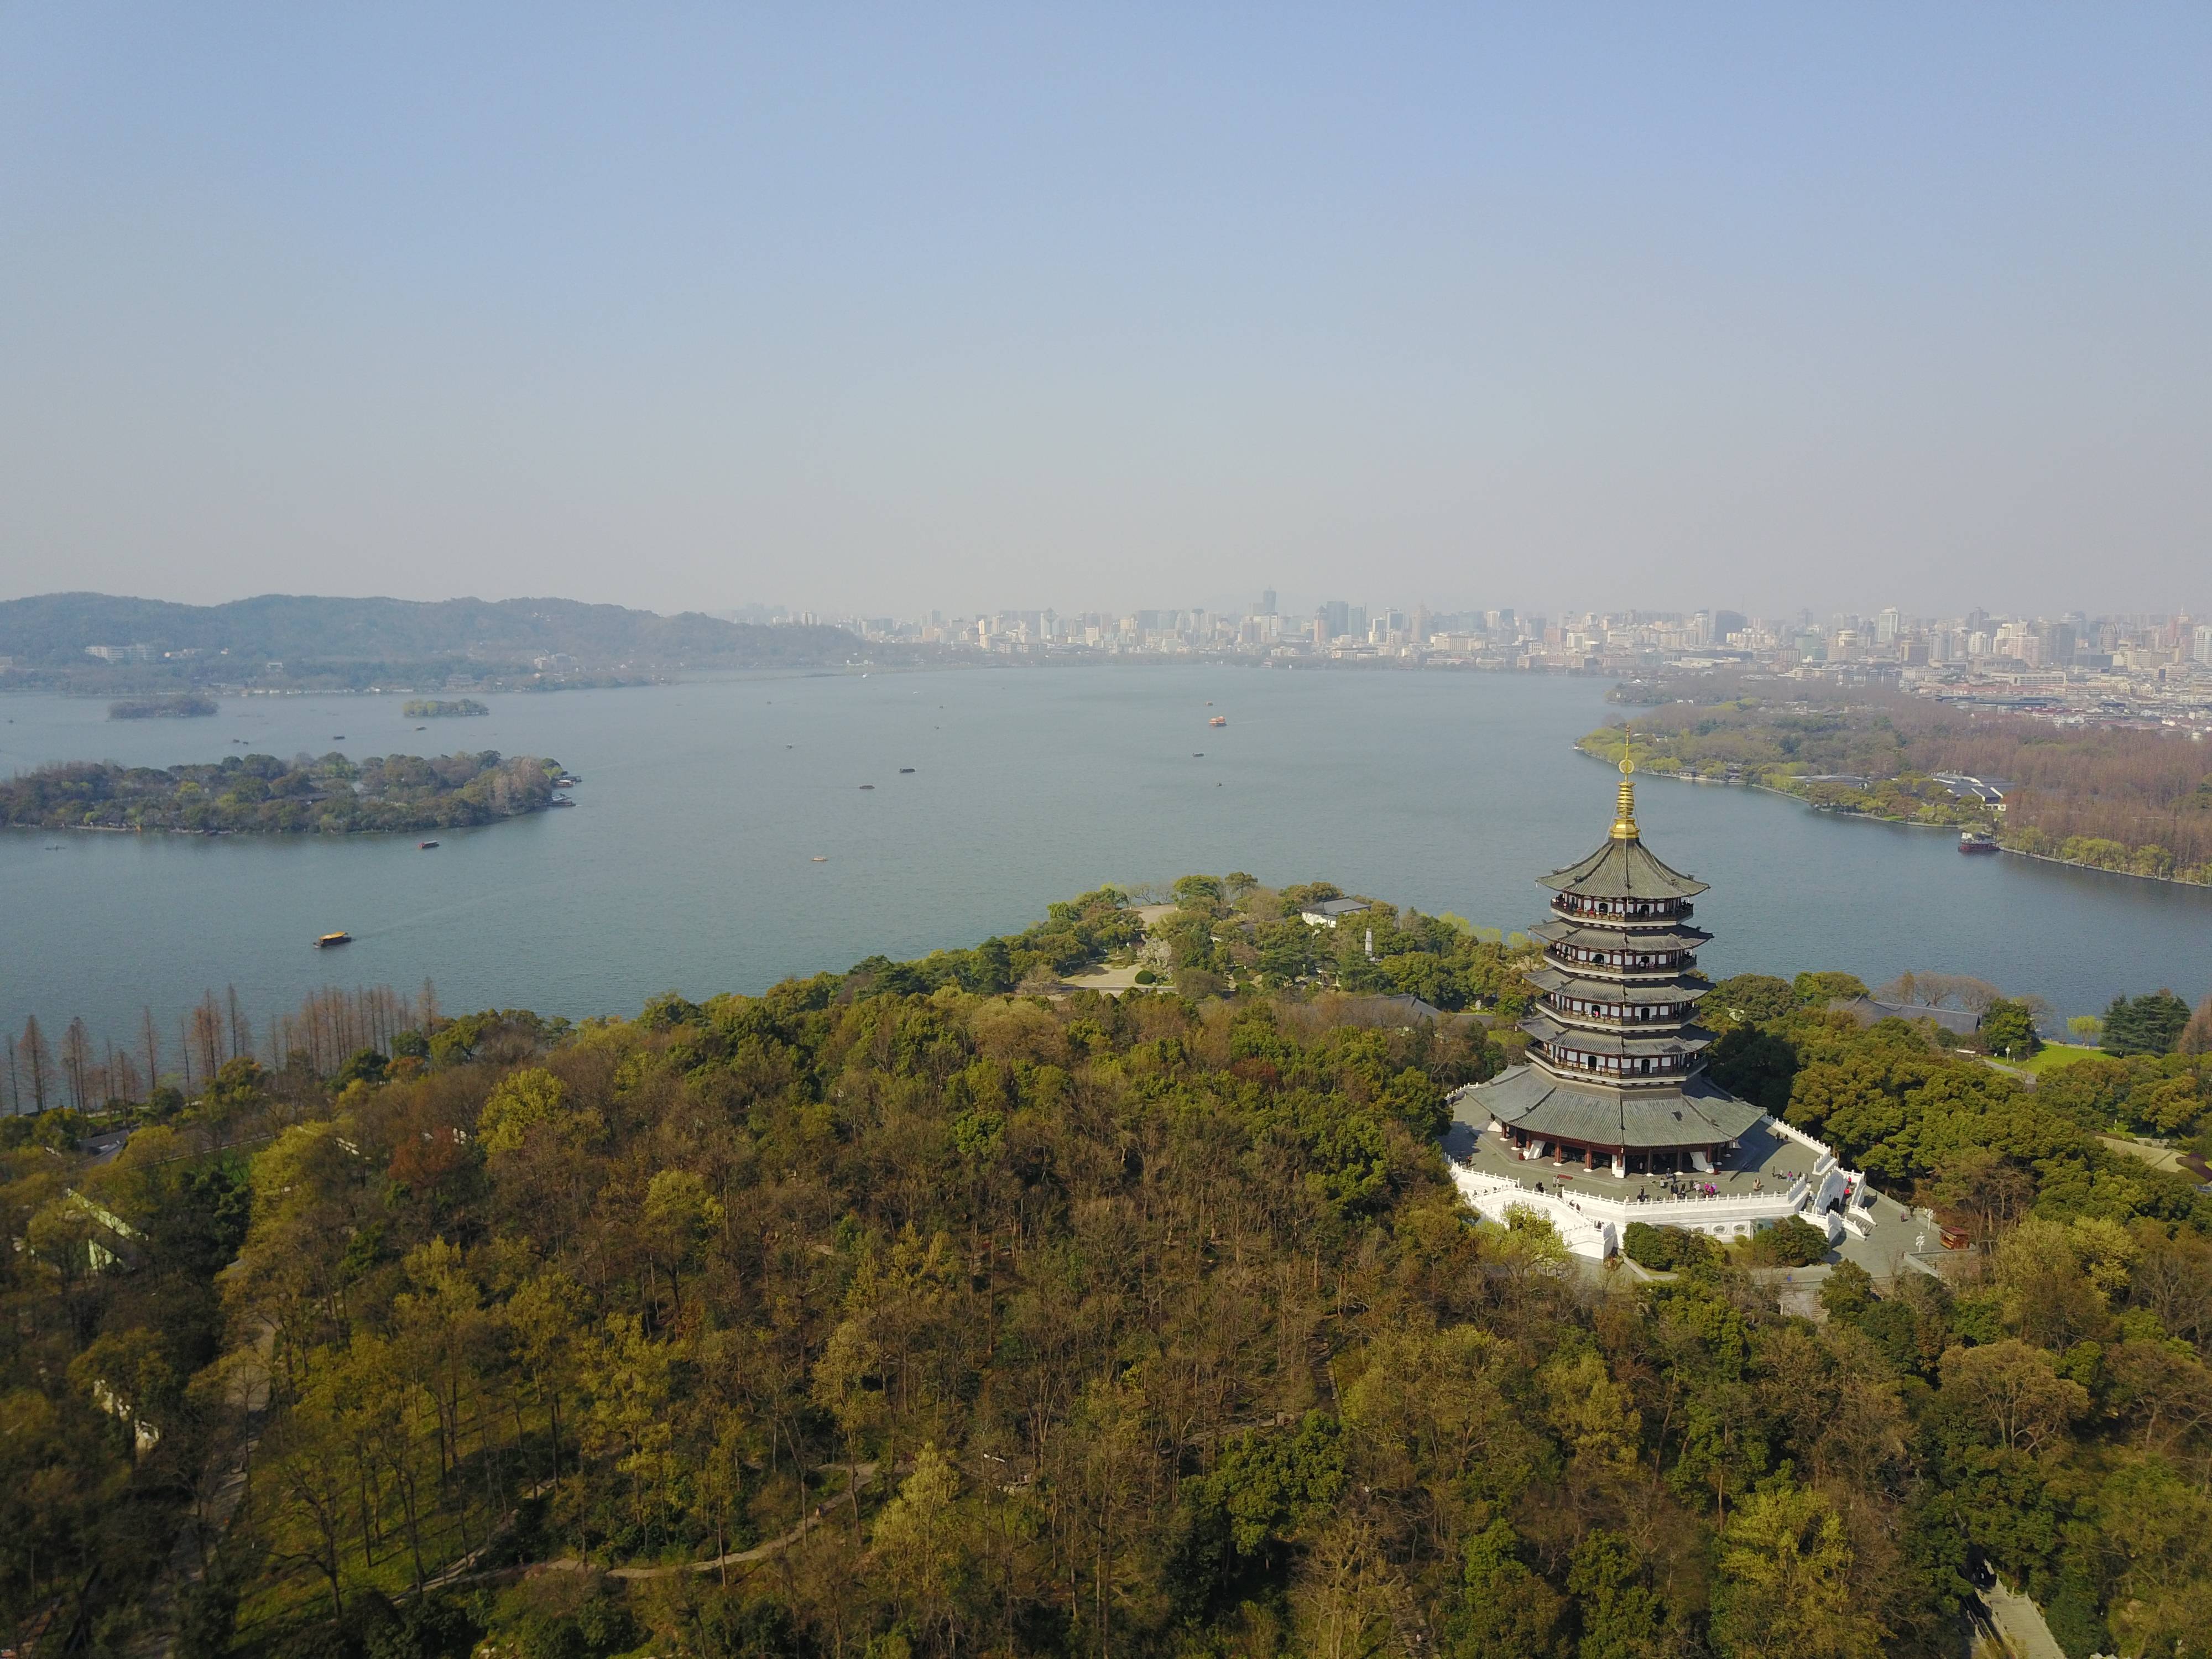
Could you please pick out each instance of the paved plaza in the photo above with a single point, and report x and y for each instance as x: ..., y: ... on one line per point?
x: 1763, y: 1163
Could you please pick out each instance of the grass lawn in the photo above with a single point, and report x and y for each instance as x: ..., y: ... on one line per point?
x: 2053, y: 1055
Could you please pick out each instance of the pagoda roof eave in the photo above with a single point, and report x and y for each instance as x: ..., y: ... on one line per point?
x: 1682, y: 1040
x: 1599, y: 935
x: 1622, y: 869
x: 1528, y: 1099
x: 1639, y: 992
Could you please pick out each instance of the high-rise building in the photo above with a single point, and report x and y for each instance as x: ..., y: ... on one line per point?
x: 1267, y: 602
x: 1335, y: 618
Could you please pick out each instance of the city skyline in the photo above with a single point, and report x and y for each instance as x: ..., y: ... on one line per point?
x: 2101, y: 669
x: 1272, y: 602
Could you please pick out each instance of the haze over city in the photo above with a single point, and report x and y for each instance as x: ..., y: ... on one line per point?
x: 879, y: 313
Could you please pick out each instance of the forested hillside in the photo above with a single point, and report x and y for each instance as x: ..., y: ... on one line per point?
x: 342, y: 638
x: 895, y: 1312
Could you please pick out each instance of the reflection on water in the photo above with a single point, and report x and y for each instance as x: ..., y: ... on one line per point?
x: 691, y: 860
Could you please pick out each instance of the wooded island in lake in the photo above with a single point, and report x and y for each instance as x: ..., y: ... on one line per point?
x: 442, y: 708
x: 181, y: 705
x: 260, y: 794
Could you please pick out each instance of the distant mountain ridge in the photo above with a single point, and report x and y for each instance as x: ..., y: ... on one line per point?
x: 51, y: 631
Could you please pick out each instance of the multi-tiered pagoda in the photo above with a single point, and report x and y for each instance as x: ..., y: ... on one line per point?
x: 1615, y: 1072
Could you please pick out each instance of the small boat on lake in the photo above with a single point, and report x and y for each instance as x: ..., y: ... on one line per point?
x: 867, y: 785
x: 903, y: 770
x: 1977, y: 841
x: 329, y: 939
x: 1218, y: 719
x: 822, y: 858
x: 424, y: 845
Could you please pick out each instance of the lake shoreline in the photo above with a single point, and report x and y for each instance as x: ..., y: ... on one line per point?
x: 1901, y: 824
x: 695, y: 868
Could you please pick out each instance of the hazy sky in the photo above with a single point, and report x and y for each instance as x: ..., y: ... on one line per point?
x: 901, y: 307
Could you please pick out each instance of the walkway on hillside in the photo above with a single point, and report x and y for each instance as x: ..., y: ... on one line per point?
x: 861, y: 1476
x: 222, y: 1489
x: 2019, y: 1625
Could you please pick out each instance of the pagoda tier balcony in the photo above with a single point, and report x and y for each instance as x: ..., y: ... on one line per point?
x: 1547, y: 1029
x: 1621, y: 965
x: 1594, y: 936
x: 1621, y: 912
x: 1621, y: 1020
x: 1620, y: 1071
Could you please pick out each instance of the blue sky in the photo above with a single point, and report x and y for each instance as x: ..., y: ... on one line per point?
x: 1110, y: 307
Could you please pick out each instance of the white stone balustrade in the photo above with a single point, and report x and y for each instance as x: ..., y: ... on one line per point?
x: 1730, y: 1216
x: 1495, y: 1197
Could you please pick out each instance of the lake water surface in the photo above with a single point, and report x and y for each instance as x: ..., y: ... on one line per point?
x: 688, y: 860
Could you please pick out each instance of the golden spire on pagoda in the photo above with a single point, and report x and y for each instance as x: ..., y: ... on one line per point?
x: 1624, y: 822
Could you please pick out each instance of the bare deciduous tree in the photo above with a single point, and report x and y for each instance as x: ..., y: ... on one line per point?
x: 37, y: 1062
x: 77, y: 1064
x: 1940, y: 991
x: 150, y: 1040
